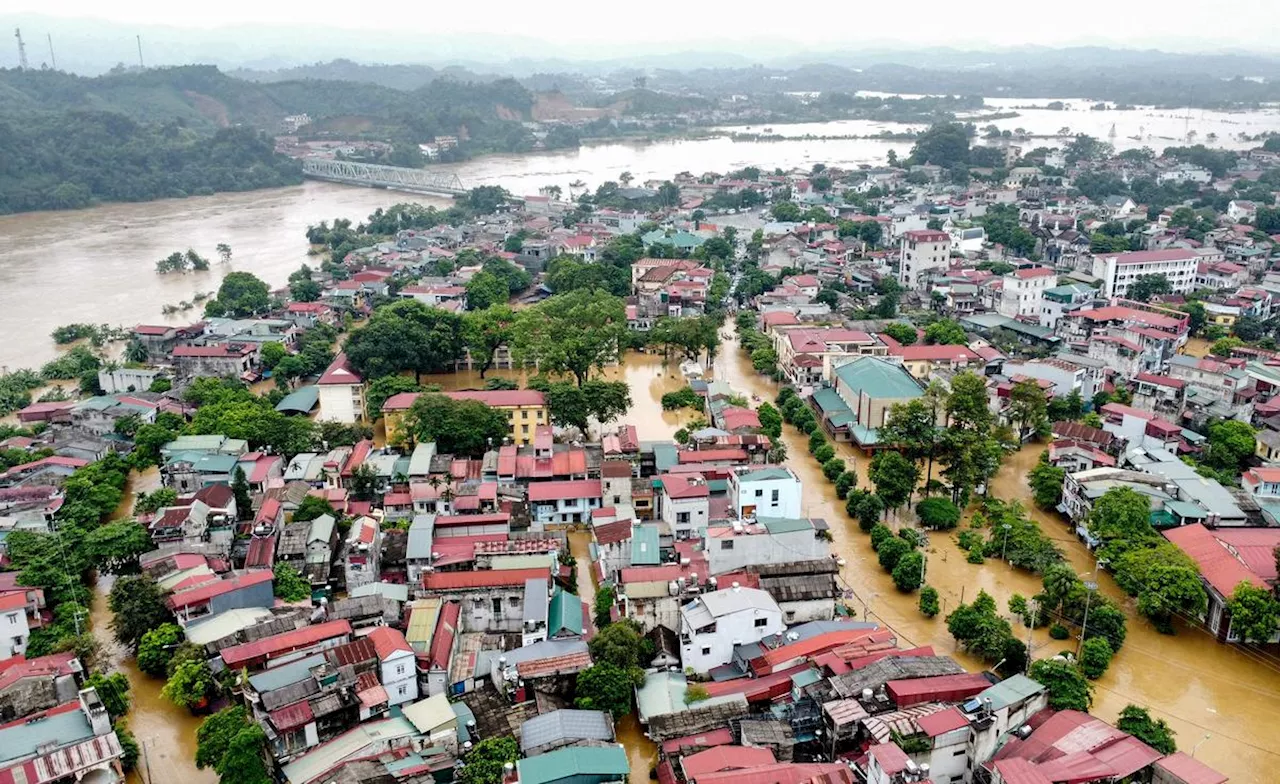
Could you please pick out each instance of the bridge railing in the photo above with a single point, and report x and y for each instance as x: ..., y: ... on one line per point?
x: 383, y: 176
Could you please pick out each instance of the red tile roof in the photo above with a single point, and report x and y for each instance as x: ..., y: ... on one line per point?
x: 1190, y: 770
x: 943, y: 721
x: 892, y: 760
x: 278, y: 644
x: 340, y: 372
x: 387, y: 642
x: 564, y: 490
x: 262, y: 552
x: 784, y: 773
x: 1027, y: 273
x: 685, y: 486
x: 712, y: 455
x: 17, y: 668
x: 206, y: 592
x: 442, y: 641
x: 554, y: 665
x: 941, y: 688
x: 612, y: 533
x: 926, y: 235
x: 357, y: 651
x: 492, y: 578
x: 292, y: 716
x: 719, y: 758
x: 499, y: 398
x: 720, y: 737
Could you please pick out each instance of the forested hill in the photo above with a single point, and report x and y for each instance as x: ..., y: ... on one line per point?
x: 69, y: 141
x: 201, y: 95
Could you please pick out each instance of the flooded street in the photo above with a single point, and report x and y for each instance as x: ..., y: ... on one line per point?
x: 1196, y: 684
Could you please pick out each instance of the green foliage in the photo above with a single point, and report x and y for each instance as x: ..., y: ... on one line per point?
x: 903, y: 333
x: 406, y: 335
x: 844, y: 483
x: 138, y: 605
x: 879, y: 535
x: 1067, y: 685
x: 380, y: 390
x: 73, y: 364
x: 190, y: 683
x: 245, y: 759
x: 1222, y: 347
x: 1121, y: 519
x: 573, y: 333
x: 833, y: 468
x: 937, y: 513
x: 682, y: 398
x: 945, y: 332
x: 129, y: 748
x: 981, y: 631
x: 894, y: 477
x: 113, y: 690
x: 1059, y: 632
x: 1028, y: 409
x: 241, y: 294
x: 908, y: 574
x: 929, y: 601
x: 289, y: 585
x: 1255, y: 613
x: 620, y: 645
x: 866, y: 506
x: 608, y: 688
x: 485, y: 763
x: 687, y: 337
x: 1165, y: 581
x: 1095, y: 657
x: 606, y: 596
x: 213, y: 738
x: 462, y: 427
x: 695, y: 692
x: 573, y: 405
x: 1231, y: 445
x: 156, y: 647
x: 770, y: 420
x: 233, y: 411
x: 1156, y: 733
x: 824, y: 452
x: 891, y: 551
x: 1046, y: 483
x: 486, y: 289
x: 312, y: 507
x: 943, y: 144
x: 1023, y: 543
x: 15, y: 389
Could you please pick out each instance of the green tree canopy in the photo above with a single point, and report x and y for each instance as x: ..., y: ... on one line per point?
x: 1156, y: 733
x: 156, y: 648
x: 894, y: 477
x: 289, y: 585
x: 945, y: 332
x: 486, y: 762
x: 240, y: 294
x: 571, y: 333
x: 605, y: 687
x: 213, y: 738
x: 1255, y: 613
x: 486, y: 289
x: 943, y: 144
x: 138, y: 606
x: 485, y: 331
x: 938, y: 513
x: 1068, y: 687
x: 462, y: 427
x: 406, y: 335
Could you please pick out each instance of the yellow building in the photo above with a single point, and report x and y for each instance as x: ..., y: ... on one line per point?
x: 525, y: 409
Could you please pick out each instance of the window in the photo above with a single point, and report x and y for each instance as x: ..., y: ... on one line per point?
x: 524, y: 414
x: 726, y: 544
x: 761, y: 623
x: 759, y: 493
x: 774, y: 496
x: 477, y: 602
x: 682, y: 518
x: 497, y: 605
x: 11, y: 617
x: 706, y: 651
x: 403, y: 689
x: 399, y: 669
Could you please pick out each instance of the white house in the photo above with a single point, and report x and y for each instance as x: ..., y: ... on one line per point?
x: 14, y: 632
x: 713, y: 623
x: 768, y: 540
x: 341, y: 393
x: 364, y: 546
x: 1022, y: 291
x: 1240, y: 210
x: 565, y: 501
x: 922, y: 251
x: 397, y: 668
x: 772, y: 491
x: 1119, y: 270
x: 684, y: 504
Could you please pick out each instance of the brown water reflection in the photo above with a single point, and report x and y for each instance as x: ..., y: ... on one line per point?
x: 1191, y: 681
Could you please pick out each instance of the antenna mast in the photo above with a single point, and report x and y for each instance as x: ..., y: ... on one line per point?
x: 140, y: 63
x: 53, y: 60
x: 22, y: 49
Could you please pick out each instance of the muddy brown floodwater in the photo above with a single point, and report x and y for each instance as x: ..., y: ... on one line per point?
x: 1196, y: 684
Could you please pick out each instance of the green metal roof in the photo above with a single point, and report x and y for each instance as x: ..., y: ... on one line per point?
x: 785, y: 525
x: 664, y: 456
x: 833, y: 406
x: 603, y: 761
x: 765, y: 474
x: 1186, y: 509
x: 565, y: 613
x: 877, y: 378
x: 1009, y: 691
x: 300, y: 400
x: 644, y: 546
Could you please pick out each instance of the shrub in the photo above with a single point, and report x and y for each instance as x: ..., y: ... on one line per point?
x: 929, y: 601
x: 938, y: 513
x: 975, y: 556
x: 970, y: 540
x: 832, y: 469
x: 844, y: 483
x: 879, y: 534
x: 908, y: 574
x: 824, y: 453
x: 816, y: 442
x: 1059, y: 632
x: 1095, y: 657
x: 891, y: 551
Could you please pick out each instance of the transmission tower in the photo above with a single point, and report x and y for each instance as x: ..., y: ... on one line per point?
x: 53, y: 59
x: 22, y: 49
x: 140, y: 63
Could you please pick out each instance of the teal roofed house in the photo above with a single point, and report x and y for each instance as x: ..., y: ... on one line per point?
x: 680, y: 239
x: 868, y: 387
x: 564, y: 616
x: 575, y: 765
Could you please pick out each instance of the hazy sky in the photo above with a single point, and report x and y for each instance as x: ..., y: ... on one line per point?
x: 715, y: 24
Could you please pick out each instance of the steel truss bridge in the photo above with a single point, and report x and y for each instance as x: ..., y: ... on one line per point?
x: 373, y: 175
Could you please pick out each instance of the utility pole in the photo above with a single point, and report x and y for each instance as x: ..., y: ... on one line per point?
x: 53, y: 61
x: 140, y: 63
x: 22, y: 49
x: 1033, y: 606
x: 1090, y: 586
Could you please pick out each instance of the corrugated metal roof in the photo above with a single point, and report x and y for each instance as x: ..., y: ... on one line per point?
x: 610, y: 761
x: 565, y: 726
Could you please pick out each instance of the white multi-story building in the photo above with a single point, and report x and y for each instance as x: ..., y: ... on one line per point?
x: 1120, y: 270
x: 361, y: 565
x: 684, y: 504
x: 712, y: 624
x: 770, y: 540
x: 398, y: 670
x: 341, y: 393
x: 1022, y: 291
x: 922, y: 252
x: 14, y: 632
x: 772, y: 491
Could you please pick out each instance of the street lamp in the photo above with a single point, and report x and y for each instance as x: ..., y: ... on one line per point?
x: 1196, y: 747
x: 1091, y: 586
x: 1005, y: 548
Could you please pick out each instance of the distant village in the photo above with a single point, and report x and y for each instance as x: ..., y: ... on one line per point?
x: 373, y: 606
